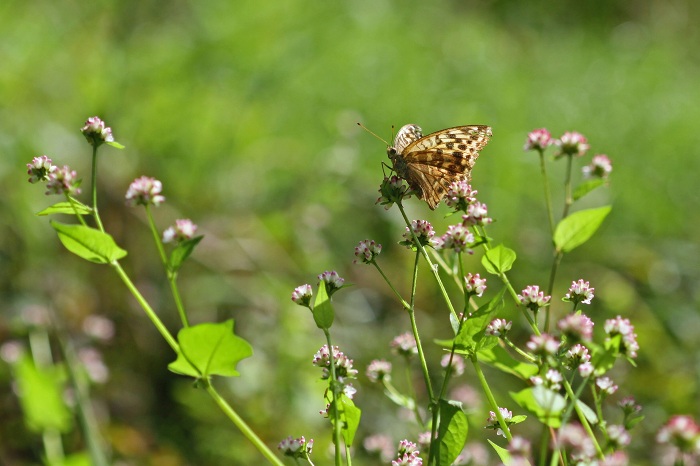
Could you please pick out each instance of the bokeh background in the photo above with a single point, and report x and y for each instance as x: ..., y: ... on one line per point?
x: 247, y: 111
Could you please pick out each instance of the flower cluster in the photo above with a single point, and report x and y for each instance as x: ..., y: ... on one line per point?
x: 492, y: 421
x: 378, y: 370
x: 534, y: 299
x: 407, y: 455
x: 460, y: 195
x: 576, y: 327
x: 628, y: 345
x: 552, y: 379
x: 343, y: 364
x: 40, y: 169
x: 183, y: 229
x: 332, y: 280
x: 681, y: 432
x: 404, y: 345
x: 145, y: 191
x: 600, y: 167
x: 392, y: 190
x: 423, y: 231
x: 302, y: 295
x: 474, y: 284
x: 579, y: 292
x: 571, y: 143
x: 498, y: 328
x: 63, y: 181
x: 538, y: 140
x: 96, y: 132
x: 543, y: 345
x: 458, y: 238
x: 367, y: 250
x: 296, y: 447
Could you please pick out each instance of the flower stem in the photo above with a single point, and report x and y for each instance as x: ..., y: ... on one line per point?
x: 490, y: 397
x: 547, y: 195
x: 336, y: 399
x: 242, y: 426
x: 95, y: 213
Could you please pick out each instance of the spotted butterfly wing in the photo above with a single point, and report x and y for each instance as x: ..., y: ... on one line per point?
x: 429, y: 164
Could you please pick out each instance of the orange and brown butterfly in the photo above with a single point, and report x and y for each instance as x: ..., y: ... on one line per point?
x: 429, y: 164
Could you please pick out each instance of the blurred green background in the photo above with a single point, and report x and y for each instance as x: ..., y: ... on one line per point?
x: 247, y: 111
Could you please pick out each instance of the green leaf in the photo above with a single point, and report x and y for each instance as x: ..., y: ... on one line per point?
x: 588, y: 412
x: 210, y: 349
x: 452, y: 431
x: 115, y: 144
x: 350, y: 414
x: 498, y: 260
x: 503, y: 454
x: 66, y: 208
x: 499, y: 358
x: 323, y: 309
x: 544, y: 403
x: 41, y: 397
x: 578, y: 228
x: 471, y: 336
x: 182, y: 252
x: 89, y: 243
x: 586, y: 187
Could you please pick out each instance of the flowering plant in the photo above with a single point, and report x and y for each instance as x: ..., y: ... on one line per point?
x: 559, y: 366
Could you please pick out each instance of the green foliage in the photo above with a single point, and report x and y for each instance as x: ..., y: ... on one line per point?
x: 323, y: 309
x: 544, y: 403
x: 69, y: 208
x: 89, y: 243
x: 498, y: 260
x: 578, y: 228
x: 41, y: 392
x: 501, y: 359
x: 210, y: 349
x: 181, y: 252
x: 471, y: 338
x: 452, y: 431
x: 350, y: 419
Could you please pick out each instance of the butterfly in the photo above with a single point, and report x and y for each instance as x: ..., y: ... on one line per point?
x: 429, y: 164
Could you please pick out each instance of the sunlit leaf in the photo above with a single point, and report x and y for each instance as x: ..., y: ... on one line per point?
x: 452, y: 431
x: 499, y: 358
x: 89, y: 243
x: 323, y: 309
x: 586, y: 187
x: 544, y: 403
x: 471, y: 336
x: 498, y: 260
x: 41, y: 397
x: 66, y: 208
x: 182, y: 251
x: 210, y: 349
x: 578, y: 227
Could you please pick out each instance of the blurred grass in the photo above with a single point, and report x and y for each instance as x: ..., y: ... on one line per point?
x: 246, y: 111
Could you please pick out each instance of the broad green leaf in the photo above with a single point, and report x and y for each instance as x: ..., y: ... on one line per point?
x: 89, y: 243
x: 603, y: 357
x: 544, y: 403
x: 41, y: 397
x: 210, y: 349
x: 350, y: 414
x: 498, y: 260
x: 586, y: 187
x: 452, y: 431
x: 499, y: 358
x: 471, y: 336
x: 578, y: 227
x: 77, y: 459
x: 66, y: 208
x: 323, y: 309
x: 182, y: 252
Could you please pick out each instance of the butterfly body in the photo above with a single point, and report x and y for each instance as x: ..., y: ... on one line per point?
x: 429, y: 164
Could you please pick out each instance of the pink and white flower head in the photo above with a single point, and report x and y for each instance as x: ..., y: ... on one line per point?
x: 543, y: 344
x: 600, y: 167
x: 63, y: 181
x: 183, y: 230
x: 423, y: 231
x: 333, y: 281
x: 477, y: 214
x: 96, y: 132
x: 682, y: 432
x: 580, y: 292
x: 571, y: 143
x: 538, y: 140
x: 534, y: 299
x: 458, y: 238
x: 473, y: 283
x: 302, y: 295
x: 576, y: 327
x: 623, y: 327
x: 296, y: 447
x: 460, y: 194
x: 40, y: 169
x: 366, y: 251
x: 404, y: 345
x: 492, y: 421
x: 498, y: 328
x: 378, y: 369
x: 145, y: 191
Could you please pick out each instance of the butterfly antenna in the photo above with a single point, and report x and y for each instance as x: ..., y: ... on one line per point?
x: 372, y: 133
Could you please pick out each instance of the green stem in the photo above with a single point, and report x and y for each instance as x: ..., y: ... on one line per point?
x: 558, y: 255
x: 414, y: 330
x: 242, y: 426
x: 547, y: 195
x: 95, y: 213
x: 146, y: 307
x: 567, y: 186
x: 386, y: 279
x: 171, y: 274
x: 433, y: 269
x: 336, y: 399
x: 582, y: 418
x: 490, y: 397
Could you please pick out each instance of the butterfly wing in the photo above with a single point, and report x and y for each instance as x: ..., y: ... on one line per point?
x: 431, y: 163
